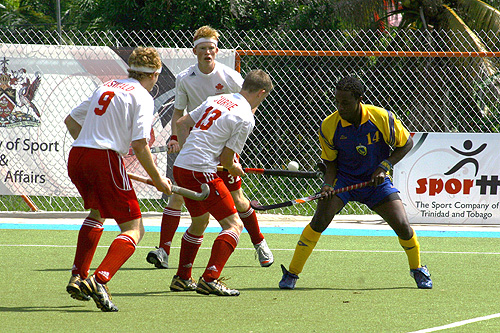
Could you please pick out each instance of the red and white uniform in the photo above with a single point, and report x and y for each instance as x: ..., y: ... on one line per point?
x: 192, y: 87
x: 221, y: 121
x: 118, y: 112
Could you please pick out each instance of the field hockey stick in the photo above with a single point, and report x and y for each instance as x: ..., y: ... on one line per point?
x: 154, y: 150
x: 279, y: 173
x: 198, y: 196
x: 255, y: 205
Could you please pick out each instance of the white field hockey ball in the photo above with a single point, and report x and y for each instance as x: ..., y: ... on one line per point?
x: 293, y: 166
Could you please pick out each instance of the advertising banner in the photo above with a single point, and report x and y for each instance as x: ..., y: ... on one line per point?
x: 40, y: 84
x: 451, y: 178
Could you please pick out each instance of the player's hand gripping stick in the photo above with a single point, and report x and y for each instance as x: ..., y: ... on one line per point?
x: 198, y: 196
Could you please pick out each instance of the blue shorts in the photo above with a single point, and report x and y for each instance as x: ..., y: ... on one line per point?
x: 369, y: 195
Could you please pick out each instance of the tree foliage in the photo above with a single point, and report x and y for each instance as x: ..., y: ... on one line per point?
x: 221, y: 14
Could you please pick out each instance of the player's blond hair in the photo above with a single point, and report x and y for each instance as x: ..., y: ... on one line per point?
x: 256, y: 80
x: 143, y: 57
x: 206, y: 32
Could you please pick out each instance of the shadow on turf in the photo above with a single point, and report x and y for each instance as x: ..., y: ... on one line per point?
x: 66, y: 308
x: 298, y: 289
x: 147, y: 268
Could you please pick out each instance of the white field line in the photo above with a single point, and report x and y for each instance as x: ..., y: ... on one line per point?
x: 252, y: 249
x: 458, y: 323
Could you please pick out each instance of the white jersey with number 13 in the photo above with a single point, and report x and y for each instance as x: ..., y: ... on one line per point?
x: 221, y: 121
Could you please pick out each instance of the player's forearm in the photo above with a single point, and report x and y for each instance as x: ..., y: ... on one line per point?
x: 143, y: 154
x: 73, y: 127
x: 227, y: 158
x: 175, y: 117
x: 400, y: 152
x: 331, y: 172
x: 183, y: 126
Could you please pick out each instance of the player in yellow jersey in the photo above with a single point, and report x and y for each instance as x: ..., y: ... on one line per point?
x: 359, y: 143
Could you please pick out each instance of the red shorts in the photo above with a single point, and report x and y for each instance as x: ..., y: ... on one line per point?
x: 232, y: 183
x: 100, y: 177
x: 219, y: 203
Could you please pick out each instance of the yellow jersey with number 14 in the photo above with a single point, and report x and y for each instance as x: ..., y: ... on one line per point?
x: 359, y: 150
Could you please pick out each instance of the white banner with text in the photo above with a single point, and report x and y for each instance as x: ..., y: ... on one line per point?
x: 40, y: 84
x: 451, y: 178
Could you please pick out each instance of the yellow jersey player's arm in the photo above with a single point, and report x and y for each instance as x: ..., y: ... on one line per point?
x: 393, y: 131
x: 328, y: 151
x: 400, y: 152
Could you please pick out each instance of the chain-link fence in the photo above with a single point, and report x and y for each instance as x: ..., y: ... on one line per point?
x: 434, y: 82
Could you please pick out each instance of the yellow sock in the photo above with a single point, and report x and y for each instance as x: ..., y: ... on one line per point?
x: 303, y: 250
x: 412, y: 249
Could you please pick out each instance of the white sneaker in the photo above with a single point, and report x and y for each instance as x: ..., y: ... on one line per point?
x: 158, y: 257
x: 264, y: 253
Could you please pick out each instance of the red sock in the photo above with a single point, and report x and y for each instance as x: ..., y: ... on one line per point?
x: 88, y: 238
x: 120, y: 250
x: 250, y: 223
x: 222, y: 249
x: 189, y: 248
x: 169, y: 224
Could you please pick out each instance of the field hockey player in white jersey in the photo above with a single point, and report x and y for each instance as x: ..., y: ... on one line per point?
x: 118, y: 114
x: 220, y: 127
x: 193, y: 85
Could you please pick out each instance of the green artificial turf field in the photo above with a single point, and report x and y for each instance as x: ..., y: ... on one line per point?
x: 350, y: 283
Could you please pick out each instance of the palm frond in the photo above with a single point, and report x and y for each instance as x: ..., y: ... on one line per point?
x: 479, y: 15
x: 470, y: 42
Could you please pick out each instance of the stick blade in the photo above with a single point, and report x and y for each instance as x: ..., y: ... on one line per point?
x: 193, y: 195
x: 255, y: 205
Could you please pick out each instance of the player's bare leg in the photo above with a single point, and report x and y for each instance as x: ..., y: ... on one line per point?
x: 325, y: 211
x: 251, y: 224
x: 394, y: 214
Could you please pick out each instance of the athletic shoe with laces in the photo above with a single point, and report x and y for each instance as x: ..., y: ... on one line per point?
x: 264, y: 254
x: 158, y: 257
x: 422, y: 277
x: 216, y: 287
x: 99, y: 293
x: 179, y: 284
x: 74, y: 289
x: 288, y: 279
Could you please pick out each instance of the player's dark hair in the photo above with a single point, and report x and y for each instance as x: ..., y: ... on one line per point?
x: 256, y: 80
x: 352, y: 84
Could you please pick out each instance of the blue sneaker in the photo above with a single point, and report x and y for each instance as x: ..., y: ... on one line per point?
x: 422, y: 277
x: 288, y: 280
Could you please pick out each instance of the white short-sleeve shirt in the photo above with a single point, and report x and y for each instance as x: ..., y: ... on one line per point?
x: 192, y: 86
x: 221, y: 121
x: 117, y: 113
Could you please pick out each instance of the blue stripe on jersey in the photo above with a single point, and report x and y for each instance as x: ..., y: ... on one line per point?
x: 392, y: 135
x: 328, y: 143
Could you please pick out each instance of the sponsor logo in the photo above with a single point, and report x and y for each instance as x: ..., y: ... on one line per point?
x: 487, y: 184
